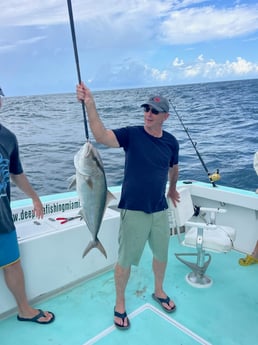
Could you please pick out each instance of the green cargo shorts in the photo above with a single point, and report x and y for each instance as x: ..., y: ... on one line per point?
x: 136, y: 228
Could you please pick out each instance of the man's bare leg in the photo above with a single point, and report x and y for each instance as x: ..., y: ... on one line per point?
x: 159, y: 269
x: 15, y: 282
x: 121, y: 279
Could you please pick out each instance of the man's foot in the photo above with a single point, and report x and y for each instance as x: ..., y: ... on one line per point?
x: 248, y: 260
x: 166, y: 303
x: 41, y: 317
x: 118, y: 317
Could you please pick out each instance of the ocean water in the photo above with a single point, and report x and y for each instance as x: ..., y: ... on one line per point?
x: 221, y: 119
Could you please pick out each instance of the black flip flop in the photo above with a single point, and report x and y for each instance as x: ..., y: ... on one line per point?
x: 37, y: 317
x: 164, y: 300
x: 123, y: 317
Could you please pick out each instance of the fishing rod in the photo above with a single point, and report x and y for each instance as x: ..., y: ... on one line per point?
x: 212, y: 177
x: 70, y: 10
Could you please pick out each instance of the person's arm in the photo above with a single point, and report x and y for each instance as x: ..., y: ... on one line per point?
x: 101, y: 133
x: 173, y: 177
x: 23, y: 183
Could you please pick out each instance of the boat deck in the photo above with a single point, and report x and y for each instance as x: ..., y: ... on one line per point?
x: 224, y: 314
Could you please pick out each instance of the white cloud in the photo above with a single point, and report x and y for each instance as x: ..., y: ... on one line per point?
x: 242, y: 67
x: 48, y: 12
x: 201, y: 69
x: 128, y: 43
x: 201, y: 24
x: 22, y: 42
x: 32, y: 12
x: 170, y: 21
x: 177, y: 62
x: 159, y: 75
x: 211, y: 69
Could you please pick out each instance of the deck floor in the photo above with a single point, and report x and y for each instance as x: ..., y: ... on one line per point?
x: 224, y: 314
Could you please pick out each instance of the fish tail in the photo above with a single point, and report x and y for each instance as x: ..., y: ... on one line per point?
x: 101, y: 248
x: 95, y: 244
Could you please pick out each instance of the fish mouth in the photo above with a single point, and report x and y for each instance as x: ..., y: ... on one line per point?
x: 87, y: 149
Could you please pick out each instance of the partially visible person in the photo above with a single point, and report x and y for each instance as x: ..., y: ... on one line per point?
x: 253, y: 258
x: 151, y: 159
x: 250, y: 259
x: 256, y: 165
x: 11, y: 168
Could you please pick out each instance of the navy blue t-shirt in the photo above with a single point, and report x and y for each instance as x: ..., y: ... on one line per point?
x: 147, y: 161
x: 9, y: 163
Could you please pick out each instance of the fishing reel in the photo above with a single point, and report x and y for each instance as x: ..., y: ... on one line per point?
x: 215, y: 176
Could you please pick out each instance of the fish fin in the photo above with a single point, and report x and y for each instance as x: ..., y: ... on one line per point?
x: 95, y: 244
x: 89, y: 182
x: 72, y: 182
x: 110, y: 196
x: 101, y: 248
x: 80, y: 213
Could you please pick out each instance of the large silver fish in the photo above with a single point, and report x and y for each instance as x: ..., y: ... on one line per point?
x: 92, y: 190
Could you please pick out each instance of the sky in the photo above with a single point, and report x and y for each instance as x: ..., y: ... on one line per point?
x: 125, y: 43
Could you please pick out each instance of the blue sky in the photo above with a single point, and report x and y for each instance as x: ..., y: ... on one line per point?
x: 125, y: 43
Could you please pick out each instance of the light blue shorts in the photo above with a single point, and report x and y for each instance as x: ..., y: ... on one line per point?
x: 136, y: 228
x: 9, y: 249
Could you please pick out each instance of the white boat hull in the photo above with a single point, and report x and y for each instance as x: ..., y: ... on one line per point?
x: 51, y: 252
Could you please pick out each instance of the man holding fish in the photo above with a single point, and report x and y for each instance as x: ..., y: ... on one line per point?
x: 151, y: 158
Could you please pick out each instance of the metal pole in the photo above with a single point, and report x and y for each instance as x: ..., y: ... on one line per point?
x: 70, y: 10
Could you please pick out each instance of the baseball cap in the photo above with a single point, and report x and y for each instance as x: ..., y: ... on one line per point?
x: 158, y: 102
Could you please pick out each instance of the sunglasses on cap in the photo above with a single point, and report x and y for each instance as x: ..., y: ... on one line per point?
x: 154, y: 111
